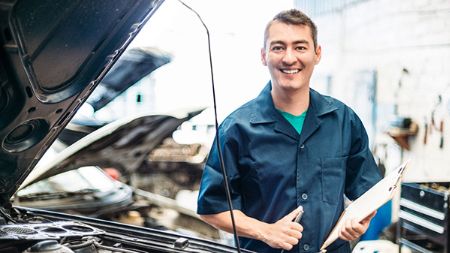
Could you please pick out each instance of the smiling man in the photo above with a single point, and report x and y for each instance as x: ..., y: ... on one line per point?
x: 289, y: 147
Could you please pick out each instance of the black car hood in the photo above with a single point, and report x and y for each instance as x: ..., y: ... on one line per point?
x: 132, y: 66
x: 52, y: 55
x: 123, y: 144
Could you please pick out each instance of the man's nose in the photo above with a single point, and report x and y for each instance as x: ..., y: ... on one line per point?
x: 289, y: 57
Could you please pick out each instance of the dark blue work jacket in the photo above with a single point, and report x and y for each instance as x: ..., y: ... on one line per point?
x: 272, y: 169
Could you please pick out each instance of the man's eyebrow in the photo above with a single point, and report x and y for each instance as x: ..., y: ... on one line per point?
x: 301, y: 42
x: 275, y: 42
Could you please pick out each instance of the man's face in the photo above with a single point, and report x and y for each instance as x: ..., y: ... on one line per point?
x: 290, y: 55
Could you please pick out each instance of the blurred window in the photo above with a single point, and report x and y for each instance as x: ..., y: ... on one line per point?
x: 316, y: 8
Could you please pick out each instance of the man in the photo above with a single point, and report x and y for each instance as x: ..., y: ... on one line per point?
x: 288, y: 147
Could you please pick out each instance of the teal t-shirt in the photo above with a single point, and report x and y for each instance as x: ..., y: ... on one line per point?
x: 296, y: 121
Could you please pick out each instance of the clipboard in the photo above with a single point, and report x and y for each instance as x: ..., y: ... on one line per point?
x: 370, y: 201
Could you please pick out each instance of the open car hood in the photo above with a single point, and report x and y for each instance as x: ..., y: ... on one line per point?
x: 123, y: 144
x: 52, y: 55
x: 132, y: 66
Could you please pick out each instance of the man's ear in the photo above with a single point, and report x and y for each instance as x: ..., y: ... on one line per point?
x: 318, y: 54
x: 263, y: 56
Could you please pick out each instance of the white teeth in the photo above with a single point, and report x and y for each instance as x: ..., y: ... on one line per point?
x: 290, y: 71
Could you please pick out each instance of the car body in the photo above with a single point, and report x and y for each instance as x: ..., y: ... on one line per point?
x: 72, y: 180
x: 52, y: 56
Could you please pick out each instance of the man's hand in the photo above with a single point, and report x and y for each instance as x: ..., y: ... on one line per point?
x: 353, y: 229
x: 284, y: 233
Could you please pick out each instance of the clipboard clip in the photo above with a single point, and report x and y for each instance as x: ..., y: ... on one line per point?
x: 399, y: 178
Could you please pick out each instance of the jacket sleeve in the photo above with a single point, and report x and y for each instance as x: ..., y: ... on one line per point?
x: 212, y: 196
x: 362, y: 171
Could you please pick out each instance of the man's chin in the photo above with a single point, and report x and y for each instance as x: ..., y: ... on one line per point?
x: 292, y: 86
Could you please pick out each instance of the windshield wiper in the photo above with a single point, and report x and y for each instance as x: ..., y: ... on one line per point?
x: 56, y: 195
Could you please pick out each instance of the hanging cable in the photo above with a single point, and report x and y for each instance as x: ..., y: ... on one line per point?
x: 222, y: 164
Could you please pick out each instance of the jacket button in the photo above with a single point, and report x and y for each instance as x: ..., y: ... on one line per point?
x: 302, y: 146
x: 304, y: 196
x: 306, y: 247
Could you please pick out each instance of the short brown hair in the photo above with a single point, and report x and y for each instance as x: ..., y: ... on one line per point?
x: 293, y: 17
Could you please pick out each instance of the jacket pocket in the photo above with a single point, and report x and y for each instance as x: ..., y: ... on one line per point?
x: 333, y: 179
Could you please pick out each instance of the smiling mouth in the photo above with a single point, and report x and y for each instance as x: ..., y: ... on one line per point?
x: 290, y: 71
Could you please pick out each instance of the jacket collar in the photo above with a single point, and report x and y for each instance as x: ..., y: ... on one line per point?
x: 318, y: 105
x: 267, y: 113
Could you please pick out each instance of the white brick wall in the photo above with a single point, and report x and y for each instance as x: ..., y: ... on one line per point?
x: 387, y: 36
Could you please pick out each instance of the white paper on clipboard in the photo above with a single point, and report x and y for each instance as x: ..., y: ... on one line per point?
x: 370, y: 201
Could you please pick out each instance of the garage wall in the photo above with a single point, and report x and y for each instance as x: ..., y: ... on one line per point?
x: 391, y: 59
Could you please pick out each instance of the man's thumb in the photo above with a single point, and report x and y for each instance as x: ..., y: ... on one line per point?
x: 369, y: 217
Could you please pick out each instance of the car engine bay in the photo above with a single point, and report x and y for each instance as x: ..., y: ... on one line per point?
x: 24, y: 230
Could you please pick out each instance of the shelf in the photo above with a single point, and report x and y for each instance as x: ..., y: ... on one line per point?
x: 401, y: 135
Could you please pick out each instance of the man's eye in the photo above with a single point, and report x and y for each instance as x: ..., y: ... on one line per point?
x: 277, y: 48
x: 300, y: 48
